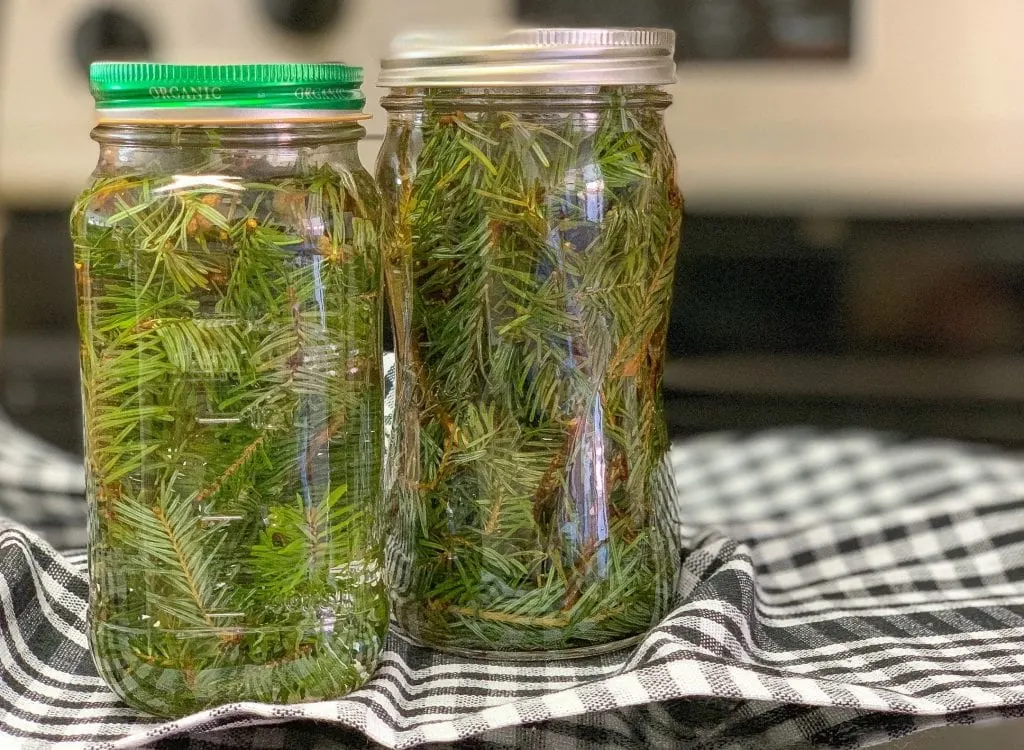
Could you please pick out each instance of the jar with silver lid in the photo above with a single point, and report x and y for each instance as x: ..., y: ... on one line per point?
x: 531, y: 228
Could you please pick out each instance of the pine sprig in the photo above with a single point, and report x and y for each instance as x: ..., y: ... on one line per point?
x: 177, y: 553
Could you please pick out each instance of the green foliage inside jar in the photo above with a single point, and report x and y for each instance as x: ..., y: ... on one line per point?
x: 232, y: 393
x: 531, y: 262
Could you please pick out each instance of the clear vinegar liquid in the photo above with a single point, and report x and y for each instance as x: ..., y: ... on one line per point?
x: 312, y: 648
x: 233, y: 416
x: 531, y: 284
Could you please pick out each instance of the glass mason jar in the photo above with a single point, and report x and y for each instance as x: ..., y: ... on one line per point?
x: 531, y: 228
x: 229, y: 287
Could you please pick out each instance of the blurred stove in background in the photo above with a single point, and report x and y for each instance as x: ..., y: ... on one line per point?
x: 853, y: 169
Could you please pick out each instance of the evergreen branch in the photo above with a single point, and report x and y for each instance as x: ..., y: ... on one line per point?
x: 183, y: 563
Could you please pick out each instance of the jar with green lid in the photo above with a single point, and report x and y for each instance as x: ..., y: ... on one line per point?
x: 229, y: 290
x: 531, y: 229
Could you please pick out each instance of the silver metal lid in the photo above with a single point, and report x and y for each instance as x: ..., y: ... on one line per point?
x: 531, y: 57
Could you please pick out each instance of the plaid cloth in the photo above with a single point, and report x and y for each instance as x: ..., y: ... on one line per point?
x: 41, y: 487
x: 842, y: 590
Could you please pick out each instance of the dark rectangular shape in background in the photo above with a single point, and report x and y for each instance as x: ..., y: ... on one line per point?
x: 718, y: 30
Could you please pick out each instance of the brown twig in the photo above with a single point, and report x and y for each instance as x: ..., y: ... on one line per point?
x: 451, y: 436
x: 630, y: 367
x: 549, y: 482
x: 237, y: 464
x: 510, y: 619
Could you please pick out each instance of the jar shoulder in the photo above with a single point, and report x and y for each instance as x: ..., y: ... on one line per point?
x: 552, y: 139
x: 288, y: 188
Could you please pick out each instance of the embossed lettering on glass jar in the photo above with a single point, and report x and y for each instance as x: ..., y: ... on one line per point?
x: 531, y: 229
x: 229, y: 288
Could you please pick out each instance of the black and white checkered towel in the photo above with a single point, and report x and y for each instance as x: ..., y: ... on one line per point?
x: 41, y: 487
x: 844, y: 589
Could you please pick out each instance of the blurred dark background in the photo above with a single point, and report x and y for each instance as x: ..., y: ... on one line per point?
x: 854, y: 173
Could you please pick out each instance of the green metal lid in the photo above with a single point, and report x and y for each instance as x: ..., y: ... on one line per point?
x: 300, y: 87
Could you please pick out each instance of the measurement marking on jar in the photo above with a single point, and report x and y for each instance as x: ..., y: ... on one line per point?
x: 220, y: 519
x: 218, y: 420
